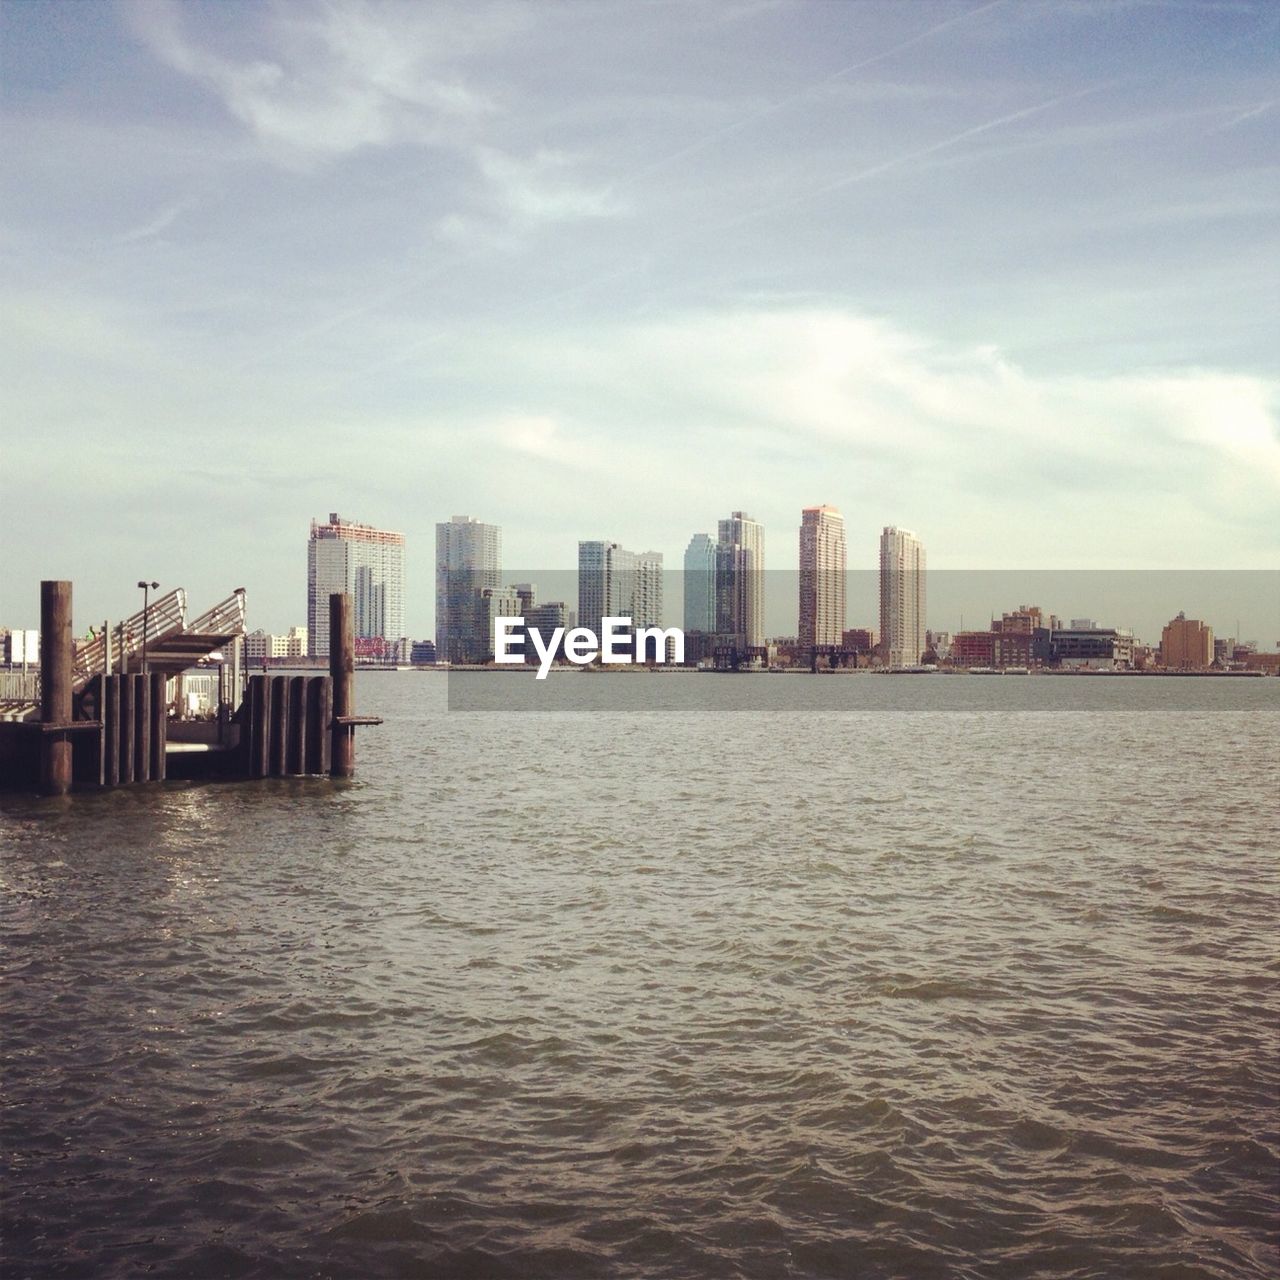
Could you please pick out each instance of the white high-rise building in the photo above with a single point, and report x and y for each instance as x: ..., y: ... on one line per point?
x: 902, y: 598
x: 700, y: 584
x: 822, y: 576
x: 616, y: 583
x: 740, y: 579
x: 468, y: 561
x: 365, y: 563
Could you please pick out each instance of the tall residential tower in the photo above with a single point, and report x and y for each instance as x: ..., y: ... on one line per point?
x: 822, y: 576
x: 740, y: 579
x: 468, y: 562
x: 902, y: 601
x: 700, y: 584
x: 616, y: 583
x: 367, y: 564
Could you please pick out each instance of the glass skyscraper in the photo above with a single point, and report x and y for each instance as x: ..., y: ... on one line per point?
x: 740, y: 580
x: 700, y: 584
x: 468, y: 562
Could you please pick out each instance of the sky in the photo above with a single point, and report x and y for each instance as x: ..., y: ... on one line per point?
x: 1001, y: 273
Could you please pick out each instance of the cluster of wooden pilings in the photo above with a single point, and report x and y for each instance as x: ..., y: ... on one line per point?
x: 132, y: 715
x: 288, y: 725
x: 285, y: 727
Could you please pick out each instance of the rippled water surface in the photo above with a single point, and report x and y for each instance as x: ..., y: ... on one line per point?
x: 876, y: 978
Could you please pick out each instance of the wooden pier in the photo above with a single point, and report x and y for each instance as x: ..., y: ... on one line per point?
x: 96, y: 727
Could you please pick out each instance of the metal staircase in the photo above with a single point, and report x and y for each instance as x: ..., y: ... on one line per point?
x: 172, y: 644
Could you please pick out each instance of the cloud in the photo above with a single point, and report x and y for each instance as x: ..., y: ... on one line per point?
x: 322, y: 84
x: 328, y: 81
x: 543, y: 439
x: 159, y: 222
x: 534, y: 190
x: 1249, y: 113
x: 767, y: 402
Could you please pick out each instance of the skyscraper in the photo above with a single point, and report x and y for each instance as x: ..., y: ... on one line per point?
x: 367, y: 564
x: 468, y: 561
x: 616, y: 583
x: 700, y: 584
x: 902, y: 600
x: 822, y: 576
x: 740, y: 579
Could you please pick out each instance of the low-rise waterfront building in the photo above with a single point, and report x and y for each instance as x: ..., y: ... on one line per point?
x: 1265, y: 662
x: 1100, y: 647
x: 263, y: 646
x: 1186, y: 644
x: 545, y: 619
x: 973, y: 649
x: 493, y: 603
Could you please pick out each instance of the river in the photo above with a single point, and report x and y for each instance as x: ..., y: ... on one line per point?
x: 665, y: 976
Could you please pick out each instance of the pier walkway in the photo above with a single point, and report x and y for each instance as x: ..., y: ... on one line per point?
x: 108, y: 712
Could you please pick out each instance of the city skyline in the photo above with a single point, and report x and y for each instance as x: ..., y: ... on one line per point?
x: 1243, y: 604
x: 973, y: 268
x: 635, y: 581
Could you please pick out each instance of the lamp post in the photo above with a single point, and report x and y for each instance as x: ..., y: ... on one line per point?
x: 147, y: 588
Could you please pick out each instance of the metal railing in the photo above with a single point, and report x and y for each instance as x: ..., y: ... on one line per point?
x: 163, y: 616
x: 225, y: 618
x: 17, y: 685
x: 19, y: 692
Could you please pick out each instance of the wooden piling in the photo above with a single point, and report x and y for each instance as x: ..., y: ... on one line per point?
x: 342, y: 668
x: 55, y: 686
x: 279, y: 725
x: 159, y: 726
x: 111, y: 731
x: 128, y: 729
x: 259, y: 727
x: 319, y: 714
x: 296, y: 756
x: 141, y: 728
x: 98, y: 694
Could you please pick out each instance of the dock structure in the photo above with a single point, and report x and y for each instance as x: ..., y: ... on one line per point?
x: 97, y: 724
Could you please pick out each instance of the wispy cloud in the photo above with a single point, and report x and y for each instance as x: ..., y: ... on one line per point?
x: 901, y: 419
x: 325, y: 82
x: 159, y: 222
x: 814, y: 91
x: 540, y: 187
x: 914, y: 155
x: 1249, y: 113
